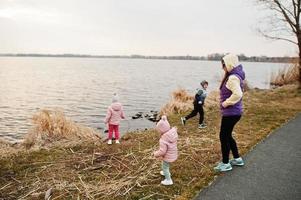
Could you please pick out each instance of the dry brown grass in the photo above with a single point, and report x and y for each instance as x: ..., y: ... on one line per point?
x: 6, y: 148
x: 286, y: 76
x: 51, y: 126
x: 85, y: 171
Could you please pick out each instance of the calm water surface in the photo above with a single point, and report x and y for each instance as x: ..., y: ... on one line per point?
x: 83, y: 87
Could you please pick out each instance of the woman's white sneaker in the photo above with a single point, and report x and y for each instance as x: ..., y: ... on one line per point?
x: 223, y: 167
x: 237, y: 162
x: 109, y: 141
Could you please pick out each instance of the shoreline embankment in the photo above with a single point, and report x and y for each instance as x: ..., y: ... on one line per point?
x: 91, y: 169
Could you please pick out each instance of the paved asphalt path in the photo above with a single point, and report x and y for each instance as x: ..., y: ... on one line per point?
x: 272, y: 170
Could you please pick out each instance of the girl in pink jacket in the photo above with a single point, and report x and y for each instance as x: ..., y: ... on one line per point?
x: 113, y: 118
x: 168, y: 150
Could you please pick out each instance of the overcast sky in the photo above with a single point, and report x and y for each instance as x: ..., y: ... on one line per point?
x: 125, y: 27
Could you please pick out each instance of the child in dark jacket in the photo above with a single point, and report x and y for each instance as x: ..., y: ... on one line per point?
x: 198, y: 103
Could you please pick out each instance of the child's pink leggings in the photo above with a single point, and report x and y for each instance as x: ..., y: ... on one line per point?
x: 115, y: 129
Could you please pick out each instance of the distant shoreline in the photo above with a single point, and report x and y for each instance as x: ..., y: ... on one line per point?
x: 213, y: 57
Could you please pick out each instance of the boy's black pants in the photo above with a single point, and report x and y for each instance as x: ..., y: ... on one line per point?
x: 197, y: 108
x: 227, y: 141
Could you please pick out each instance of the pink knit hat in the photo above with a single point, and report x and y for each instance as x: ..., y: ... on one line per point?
x: 163, y: 125
x: 115, y: 98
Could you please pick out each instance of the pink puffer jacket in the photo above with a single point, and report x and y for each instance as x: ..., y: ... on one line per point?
x: 114, y: 114
x: 168, y: 146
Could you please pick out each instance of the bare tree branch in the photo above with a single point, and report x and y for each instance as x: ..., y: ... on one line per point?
x: 298, y: 6
x: 280, y: 6
x: 276, y: 38
x: 288, y: 12
x: 295, y: 9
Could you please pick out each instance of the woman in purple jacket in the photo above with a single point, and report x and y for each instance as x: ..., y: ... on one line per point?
x: 231, y: 93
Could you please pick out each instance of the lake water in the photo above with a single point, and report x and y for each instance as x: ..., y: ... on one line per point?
x: 83, y: 87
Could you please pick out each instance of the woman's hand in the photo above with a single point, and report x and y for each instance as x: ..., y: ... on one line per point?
x: 224, y: 105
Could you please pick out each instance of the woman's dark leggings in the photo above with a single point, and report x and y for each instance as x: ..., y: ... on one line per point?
x: 227, y: 141
x: 197, y: 108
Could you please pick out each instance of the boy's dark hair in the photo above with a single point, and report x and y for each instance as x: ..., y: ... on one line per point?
x: 204, y: 82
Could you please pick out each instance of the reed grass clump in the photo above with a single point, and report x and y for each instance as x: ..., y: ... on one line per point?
x: 182, y: 101
x: 52, y: 125
x: 285, y: 76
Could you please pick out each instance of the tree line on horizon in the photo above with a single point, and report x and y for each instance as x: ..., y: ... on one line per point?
x: 210, y: 57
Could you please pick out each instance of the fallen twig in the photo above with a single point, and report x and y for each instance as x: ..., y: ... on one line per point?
x: 5, y: 186
x: 30, y: 193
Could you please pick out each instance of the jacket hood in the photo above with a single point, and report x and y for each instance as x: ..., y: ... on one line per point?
x: 116, y: 106
x: 170, y: 136
x: 163, y: 125
x: 238, y: 71
x: 231, y: 61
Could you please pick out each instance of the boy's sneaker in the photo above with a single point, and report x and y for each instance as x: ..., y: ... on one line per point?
x: 183, y: 121
x: 202, y: 125
x: 109, y: 141
x: 117, y: 142
x: 237, y: 161
x: 167, y: 182
x: 222, y: 167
